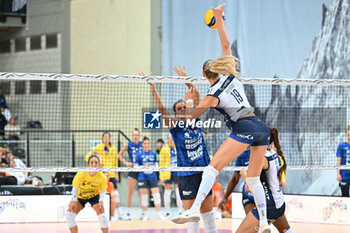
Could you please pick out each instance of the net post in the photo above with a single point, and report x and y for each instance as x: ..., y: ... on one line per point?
x: 28, y: 150
x: 73, y: 150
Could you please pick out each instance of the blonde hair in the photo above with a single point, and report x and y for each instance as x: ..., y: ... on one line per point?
x: 225, y: 65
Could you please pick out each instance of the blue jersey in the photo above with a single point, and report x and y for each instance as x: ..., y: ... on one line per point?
x: 343, y: 152
x: 133, y: 149
x: 243, y: 159
x: 173, y: 160
x: 190, y: 148
x: 149, y: 159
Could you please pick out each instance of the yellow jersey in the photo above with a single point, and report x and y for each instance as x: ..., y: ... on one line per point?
x: 164, y: 161
x: 89, y: 186
x: 109, y: 159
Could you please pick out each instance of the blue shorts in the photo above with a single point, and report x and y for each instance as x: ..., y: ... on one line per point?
x: 272, y: 213
x: 173, y: 179
x: 250, y: 130
x: 133, y: 175
x: 189, y: 185
x: 246, y: 200
x: 114, y: 181
x: 147, y: 184
x: 94, y: 200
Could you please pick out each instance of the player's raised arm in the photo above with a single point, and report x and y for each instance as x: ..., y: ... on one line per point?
x: 169, y: 121
x: 225, y: 42
x: 181, y: 71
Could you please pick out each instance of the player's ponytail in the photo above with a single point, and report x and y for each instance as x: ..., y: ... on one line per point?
x: 274, y: 138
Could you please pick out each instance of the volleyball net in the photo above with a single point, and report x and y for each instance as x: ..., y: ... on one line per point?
x: 62, y: 117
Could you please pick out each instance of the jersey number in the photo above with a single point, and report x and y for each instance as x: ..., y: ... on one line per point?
x: 237, y: 96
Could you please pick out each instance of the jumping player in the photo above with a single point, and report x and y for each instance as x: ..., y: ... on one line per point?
x: 227, y: 95
x: 191, y: 151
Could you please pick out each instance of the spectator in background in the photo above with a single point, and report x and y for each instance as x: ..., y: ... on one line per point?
x: 6, y: 112
x: 12, y: 132
x: 160, y: 144
x: 3, y: 123
x: 6, y: 178
x: 20, y: 176
x: 2, y: 99
x: 343, y: 158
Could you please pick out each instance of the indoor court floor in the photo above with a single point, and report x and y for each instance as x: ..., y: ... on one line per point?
x: 158, y: 226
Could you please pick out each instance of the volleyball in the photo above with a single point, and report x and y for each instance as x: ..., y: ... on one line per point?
x: 210, y: 20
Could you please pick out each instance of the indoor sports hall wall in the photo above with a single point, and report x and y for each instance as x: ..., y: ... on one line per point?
x: 283, y: 39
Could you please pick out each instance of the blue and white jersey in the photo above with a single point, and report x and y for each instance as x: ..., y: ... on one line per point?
x: 243, y: 159
x: 233, y: 102
x: 146, y: 159
x: 270, y: 182
x: 343, y: 152
x: 190, y: 148
x: 133, y: 149
x: 173, y: 160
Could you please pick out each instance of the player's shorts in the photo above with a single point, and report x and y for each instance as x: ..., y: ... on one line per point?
x: 147, y: 184
x: 189, y: 185
x: 345, y: 183
x: 246, y: 200
x: 272, y: 213
x: 133, y: 175
x: 114, y: 181
x: 173, y: 179
x: 94, y: 200
x: 250, y: 130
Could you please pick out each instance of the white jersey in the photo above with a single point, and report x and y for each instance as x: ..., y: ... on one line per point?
x: 270, y: 181
x: 233, y: 102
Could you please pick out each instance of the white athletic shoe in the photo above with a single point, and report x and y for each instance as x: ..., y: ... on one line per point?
x: 167, y: 216
x: 218, y: 215
x: 128, y: 216
x: 145, y: 218
x: 265, y: 229
x: 187, y: 216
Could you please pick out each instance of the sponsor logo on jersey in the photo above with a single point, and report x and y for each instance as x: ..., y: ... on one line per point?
x: 249, y: 137
x: 186, y: 193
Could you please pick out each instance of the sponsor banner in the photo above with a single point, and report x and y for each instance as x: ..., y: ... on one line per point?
x: 43, y: 208
x: 308, y: 209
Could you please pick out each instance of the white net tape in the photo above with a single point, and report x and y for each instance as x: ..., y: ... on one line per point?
x: 156, y: 169
x: 166, y: 79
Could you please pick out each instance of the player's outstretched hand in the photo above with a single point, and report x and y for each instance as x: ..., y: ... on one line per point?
x: 218, y: 11
x: 181, y: 70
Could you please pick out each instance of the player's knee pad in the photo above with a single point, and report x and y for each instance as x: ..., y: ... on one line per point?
x: 156, y: 198
x: 117, y: 199
x: 144, y: 199
x: 70, y: 219
x: 210, y: 171
x: 209, y: 221
x: 102, y: 218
